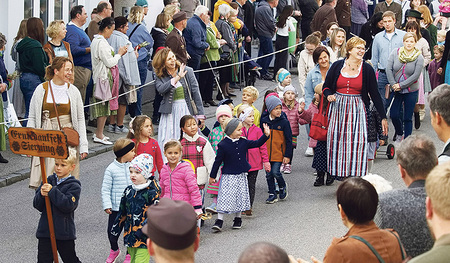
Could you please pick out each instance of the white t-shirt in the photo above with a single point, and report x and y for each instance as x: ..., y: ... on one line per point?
x: 60, y: 93
x: 289, y: 26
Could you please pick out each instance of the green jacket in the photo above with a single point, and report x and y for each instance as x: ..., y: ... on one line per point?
x: 32, y: 57
x: 213, y: 52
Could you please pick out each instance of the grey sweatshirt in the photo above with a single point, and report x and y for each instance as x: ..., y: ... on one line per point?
x: 264, y: 20
x: 411, y: 72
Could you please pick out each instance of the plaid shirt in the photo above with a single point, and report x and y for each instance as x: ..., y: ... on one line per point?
x: 193, y: 151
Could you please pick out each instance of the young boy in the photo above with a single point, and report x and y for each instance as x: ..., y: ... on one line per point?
x: 249, y: 96
x: 279, y: 147
x: 136, y: 199
x: 63, y: 191
x: 441, y: 37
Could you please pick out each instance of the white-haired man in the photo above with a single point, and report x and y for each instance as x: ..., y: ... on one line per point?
x: 195, y: 36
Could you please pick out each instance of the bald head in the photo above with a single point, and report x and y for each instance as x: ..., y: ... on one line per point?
x: 263, y: 252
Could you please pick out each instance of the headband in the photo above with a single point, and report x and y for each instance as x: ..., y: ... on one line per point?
x: 245, y: 113
x: 283, y: 74
x: 231, y: 126
x: 124, y: 150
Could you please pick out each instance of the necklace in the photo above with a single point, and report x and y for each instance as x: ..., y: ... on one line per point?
x: 355, y: 67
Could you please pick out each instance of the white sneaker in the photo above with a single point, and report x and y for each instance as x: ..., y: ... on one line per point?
x: 102, y: 141
x: 309, y: 152
x: 111, y: 128
x: 121, y: 130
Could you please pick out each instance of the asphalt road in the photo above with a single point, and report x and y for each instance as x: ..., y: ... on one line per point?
x: 303, y: 225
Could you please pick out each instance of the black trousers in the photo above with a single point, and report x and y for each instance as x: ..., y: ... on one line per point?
x: 66, y: 250
x: 112, y: 239
x: 282, y: 57
x: 251, y: 178
x: 207, y: 81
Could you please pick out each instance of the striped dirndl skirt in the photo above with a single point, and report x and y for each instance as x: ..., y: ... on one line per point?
x: 347, y: 137
x: 233, y: 194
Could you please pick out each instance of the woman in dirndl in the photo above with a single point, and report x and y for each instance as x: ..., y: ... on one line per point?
x: 347, y: 86
x: 179, y: 88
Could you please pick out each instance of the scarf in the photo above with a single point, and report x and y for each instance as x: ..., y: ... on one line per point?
x: 405, y: 58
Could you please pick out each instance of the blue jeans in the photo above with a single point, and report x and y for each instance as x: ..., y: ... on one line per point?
x: 265, y: 47
x: 408, y: 101
x: 28, y: 83
x: 275, y: 173
x: 135, y: 109
x: 382, y: 82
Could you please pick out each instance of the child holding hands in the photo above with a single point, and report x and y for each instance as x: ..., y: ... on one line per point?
x: 249, y: 95
x: 136, y: 199
x: 63, y: 191
x: 233, y: 191
x: 115, y: 180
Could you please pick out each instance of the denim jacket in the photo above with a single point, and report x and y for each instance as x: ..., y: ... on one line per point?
x: 313, y: 78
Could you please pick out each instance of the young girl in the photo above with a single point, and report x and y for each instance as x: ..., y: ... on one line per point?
x: 296, y: 115
x: 141, y: 130
x: 233, y: 191
x: 257, y: 157
x: 223, y: 113
x: 115, y: 180
x: 177, y: 179
x: 196, y: 149
x: 283, y: 79
x: 136, y: 199
x: 433, y: 67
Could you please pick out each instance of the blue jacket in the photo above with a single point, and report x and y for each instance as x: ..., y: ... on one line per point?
x: 64, y: 200
x: 139, y: 36
x: 234, y: 155
x: 195, y: 36
x: 78, y: 41
x: 115, y: 180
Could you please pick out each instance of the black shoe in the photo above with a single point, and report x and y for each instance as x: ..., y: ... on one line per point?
x: 155, y: 120
x: 92, y: 123
x: 217, y: 227
x: 3, y: 160
x: 319, y: 180
x: 219, y: 97
x: 88, y: 132
x: 267, y: 77
x: 205, y: 104
x: 416, y: 120
x: 330, y: 180
x: 231, y: 95
x: 212, y: 102
x: 237, y: 223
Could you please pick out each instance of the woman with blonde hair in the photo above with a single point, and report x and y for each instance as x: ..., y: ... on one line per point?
x: 56, y: 47
x: 338, y: 43
x: 138, y: 35
x: 170, y: 11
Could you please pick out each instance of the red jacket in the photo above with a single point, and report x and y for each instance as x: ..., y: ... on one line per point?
x: 295, y: 118
x: 255, y: 156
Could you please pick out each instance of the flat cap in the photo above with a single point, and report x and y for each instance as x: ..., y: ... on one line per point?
x: 171, y: 224
x: 180, y: 16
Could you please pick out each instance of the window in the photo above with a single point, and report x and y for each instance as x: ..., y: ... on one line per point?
x: 58, y: 10
x: 28, y: 9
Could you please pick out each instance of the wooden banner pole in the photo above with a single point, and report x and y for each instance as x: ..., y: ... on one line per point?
x: 49, y: 213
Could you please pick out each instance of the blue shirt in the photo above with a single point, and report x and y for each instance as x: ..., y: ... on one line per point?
x: 382, y: 47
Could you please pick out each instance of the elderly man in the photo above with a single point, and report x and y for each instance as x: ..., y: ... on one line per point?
x: 104, y: 9
x: 175, y: 40
x: 440, y: 117
x: 323, y: 16
x: 195, y: 36
x: 438, y: 215
x: 404, y: 209
x: 265, y: 27
x: 173, y: 235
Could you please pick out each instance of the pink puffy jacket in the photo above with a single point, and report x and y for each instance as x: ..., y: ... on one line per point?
x: 180, y: 184
x: 256, y: 156
x: 296, y: 118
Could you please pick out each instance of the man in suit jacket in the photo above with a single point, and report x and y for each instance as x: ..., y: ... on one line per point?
x: 440, y: 117
x: 324, y: 15
x: 175, y: 40
x: 343, y: 15
x: 404, y: 209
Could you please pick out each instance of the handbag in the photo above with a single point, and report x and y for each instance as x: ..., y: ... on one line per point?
x: 73, y: 138
x: 319, y: 123
x: 193, y: 105
x: 9, y: 113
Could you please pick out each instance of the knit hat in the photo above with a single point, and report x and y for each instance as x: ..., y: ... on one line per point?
x: 283, y: 74
x: 180, y: 16
x: 142, y: 3
x: 223, y: 110
x: 289, y: 88
x: 272, y: 102
x: 231, y: 126
x: 171, y: 224
x: 144, y: 164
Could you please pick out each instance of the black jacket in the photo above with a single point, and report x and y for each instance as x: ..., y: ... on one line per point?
x: 64, y: 200
x: 159, y: 36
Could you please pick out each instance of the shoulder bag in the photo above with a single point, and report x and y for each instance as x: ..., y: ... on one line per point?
x: 193, y: 105
x: 73, y: 138
x: 319, y: 123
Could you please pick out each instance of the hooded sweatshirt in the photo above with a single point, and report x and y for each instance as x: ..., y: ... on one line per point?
x: 32, y: 57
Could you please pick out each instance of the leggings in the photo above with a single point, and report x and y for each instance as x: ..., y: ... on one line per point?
x: 251, y: 178
x: 112, y: 239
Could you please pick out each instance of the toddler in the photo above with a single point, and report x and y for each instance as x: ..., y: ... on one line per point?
x: 233, y: 191
x: 115, y: 180
x: 375, y: 137
x: 257, y: 157
x: 223, y: 113
x: 136, y: 199
x: 141, y: 131
x: 279, y: 148
x: 441, y: 37
x: 63, y: 190
x: 434, y: 68
x: 249, y: 95
x: 284, y: 79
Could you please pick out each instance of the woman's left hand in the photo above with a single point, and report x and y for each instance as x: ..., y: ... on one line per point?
x: 385, y: 126
x: 182, y: 71
x: 266, y: 129
x: 83, y: 155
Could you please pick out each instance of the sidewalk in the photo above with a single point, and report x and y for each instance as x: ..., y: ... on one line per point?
x: 18, y: 167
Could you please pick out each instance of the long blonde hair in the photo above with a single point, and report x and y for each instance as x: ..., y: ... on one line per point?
x: 136, y: 15
x: 342, y: 50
